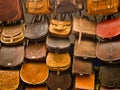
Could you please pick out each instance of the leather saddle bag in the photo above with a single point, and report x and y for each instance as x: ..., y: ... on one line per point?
x: 13, y: 35
x: 102, y: 7
x: 85, y: 82
x: 108, y: 28
x: 59, y: 28
x: 84, y: 27
x: 58, y: 62
x: 82, y: 67
x: 11, y: 56
x: 37, y: 7
x: 38, y: 30
x: 59, y: 82
x: 10, y: 11
x: 9, y: 79
x: 110, y: 75
x: 36, y: 51
x: 110, y: 51
x: 57, y: 45
x: 36, y: 87
x: 34, y: 73
x: 85, y: 49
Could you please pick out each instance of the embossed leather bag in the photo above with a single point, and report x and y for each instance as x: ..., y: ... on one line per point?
x: 57, y: 45
x: 12, y: 35
x: 102, y: 7
x: 11, y: 56
x: 108, y: 28
x: 9, y: 79
x: 59, y: 82
x: 37, y: 7
x: 110, y: 51
x: 109, y: 75
x: 10, y: 11
x: 59, y: 28
x: 34, y: 73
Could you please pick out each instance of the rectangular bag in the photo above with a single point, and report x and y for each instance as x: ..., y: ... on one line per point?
x: 102, y: 7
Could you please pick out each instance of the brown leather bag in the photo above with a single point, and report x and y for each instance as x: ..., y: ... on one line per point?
x: 11, y: 56
x: 110, y: 51
x: 102, y: 7
x: 10, y: 11
x: 9, y: 79
x: 37, y: 7
x: 62, y: 81
x: 34, y: 73
x: 57, y: 45
x: 59, y: 28
x: 12, y: 35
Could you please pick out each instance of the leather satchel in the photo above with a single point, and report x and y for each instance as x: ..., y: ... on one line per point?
x: 10, y: 11
x: 102, y: 7
x: 62, y: 81
x: 59, y: 28
x: 57, y: 45
x: 11, y: 56
x: 12, y: 35
x: 110, y: 51
x: 9, y: 79
x: 34, y: 73
x: 37, y: 7
x: 108, y: 28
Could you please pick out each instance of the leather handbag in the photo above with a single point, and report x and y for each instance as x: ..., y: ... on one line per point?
x: 83, y: 27
x: 34, y: 73
x: 13, y: 35
x: 62, y: 81
x: 110, y: 51
x: 85, y: 49
x: 37, y: 7
x: 36, y: 52
x: 108, y: 29
x: 85, y: 82
x: 58, y: 62
x: 9, y: 79
x: 102, y: 7
x: 82, y: 67
x: 10, y: 11
x: 59, y: 28
x: 38, y: 30
x: 57, y: 45
x: 11, y: 56
x: 36, y: 87
x: 109, y: 75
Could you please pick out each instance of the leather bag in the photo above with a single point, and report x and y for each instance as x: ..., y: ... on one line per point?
x: 37, y: 7
x: 102, y: 7
x: 36, y: 51
x: 11, y: 56
x: 38, y: 30
x: 109, y: 75
x: 59, y: 82
x: 34, y: 73
x: 10, y: 11
x: 57, y: 45
x: 13, y: 35
x: 110, y: 51
x: 59, y: 28
x: 108, y: 28
x: 9, y: 79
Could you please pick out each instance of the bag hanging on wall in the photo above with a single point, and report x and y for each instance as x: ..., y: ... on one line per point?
x: 37, y: 7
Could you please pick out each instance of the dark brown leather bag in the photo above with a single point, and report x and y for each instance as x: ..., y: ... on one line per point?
x: 10, y: 11
x: 57, y: 45
x: 11, y: 56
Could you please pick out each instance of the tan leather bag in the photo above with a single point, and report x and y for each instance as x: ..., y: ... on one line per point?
x: 102, y: 7
x: 37, y: 7
x: 60, y: 29
x: 12, y: 35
